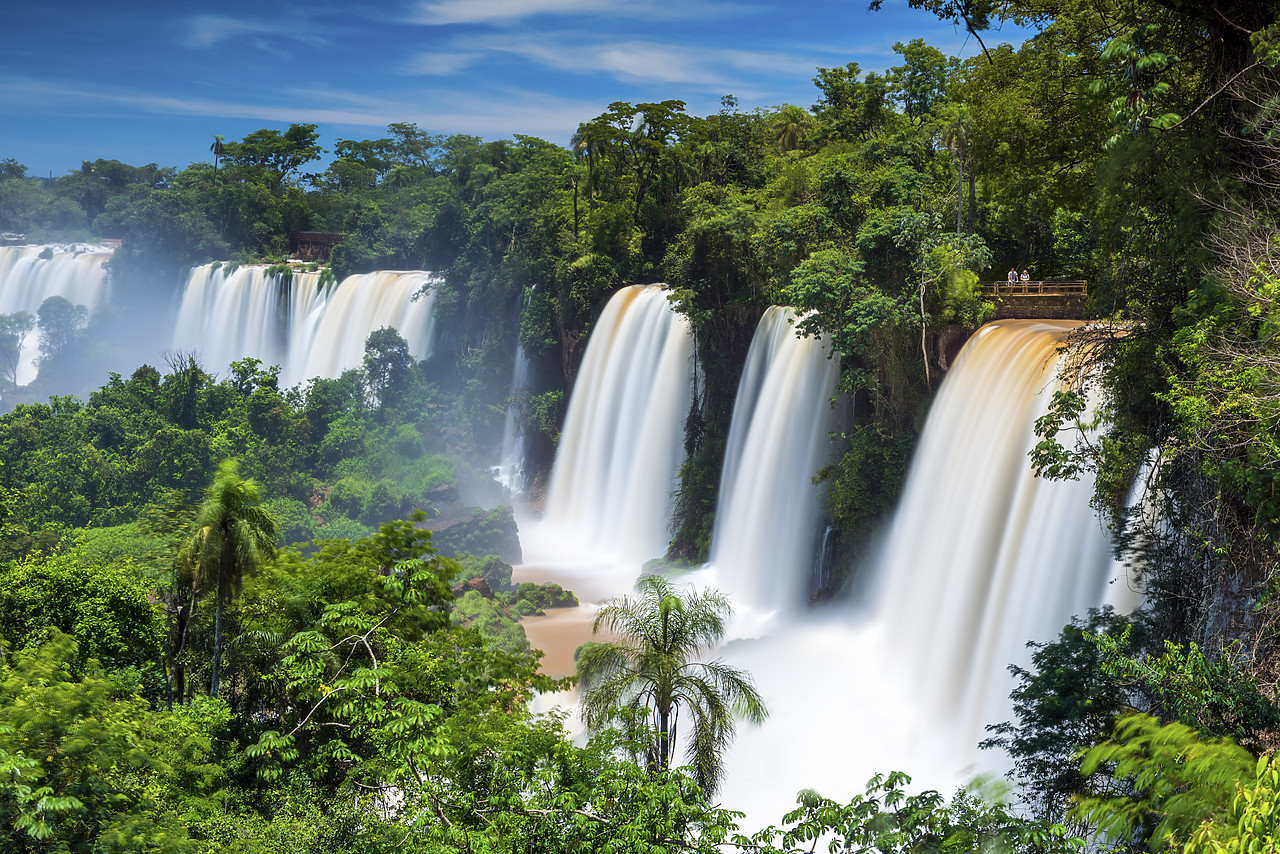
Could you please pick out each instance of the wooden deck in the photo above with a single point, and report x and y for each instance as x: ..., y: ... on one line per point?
x: 1038, y: 299
x: 1039, y: 289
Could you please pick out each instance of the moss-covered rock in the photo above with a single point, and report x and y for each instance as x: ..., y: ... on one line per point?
x: 492, y: 532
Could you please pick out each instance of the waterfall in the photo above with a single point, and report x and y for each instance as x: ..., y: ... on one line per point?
x: 980, y: 558
x: 233, y: 313
x: 228, y: 314
x: 984, y: 556
x: 358, y: 306
x: 768, y: 507
x: 31, y: 274
x: 619, y: 456
x: 510, y: 469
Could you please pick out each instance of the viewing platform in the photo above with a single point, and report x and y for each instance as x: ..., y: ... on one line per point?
x: 1058, y: 300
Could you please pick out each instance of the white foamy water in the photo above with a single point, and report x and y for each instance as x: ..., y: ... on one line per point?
x: 293, y: 322
x: 980, y: 558
x: 778, y: 439
x: 618, y: 462
x: 76, y: 272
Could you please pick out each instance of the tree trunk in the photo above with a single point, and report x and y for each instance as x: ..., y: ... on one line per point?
x: 176, y: 678
x: 973, y: 201
x: 664, y: 738
x: 217, y: 638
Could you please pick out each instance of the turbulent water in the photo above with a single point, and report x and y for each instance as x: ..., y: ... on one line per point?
x: 310, y: 331
x: 764, y: 529
x: 618, y: 461
x: 76, y: 272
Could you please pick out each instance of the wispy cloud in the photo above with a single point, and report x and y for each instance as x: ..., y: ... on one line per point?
x: 440, y: 12
x: 637, y: 61
x: 463, y: 110
x: 440, y: 64
x: 209, y: 30
x: 204, y: 31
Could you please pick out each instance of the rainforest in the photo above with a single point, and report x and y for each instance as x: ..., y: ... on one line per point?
x: 895, y: 473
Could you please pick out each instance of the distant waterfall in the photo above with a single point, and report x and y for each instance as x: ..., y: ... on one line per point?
x: 618, y: 461
x: 229, y: 314
x: 762, y: 546
x: 76, y: 272
x: 980, y: 558
x: 510, y: 469
x: 358, y: 306
x: 233, y: 313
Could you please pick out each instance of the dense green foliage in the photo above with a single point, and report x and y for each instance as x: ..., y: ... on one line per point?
x: 1131, y: 144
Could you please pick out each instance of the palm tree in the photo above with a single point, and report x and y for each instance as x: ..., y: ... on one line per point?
x: 649, y: 671
x: 217, y: 149
x: 956, y: 129
x: 232, y: 537
x: 790, y: 126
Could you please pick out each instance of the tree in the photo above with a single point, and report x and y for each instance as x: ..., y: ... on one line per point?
x: 10, y: 168
x: 388, y: 364
x: 649, y: 672
x: 279, y: 154
x: 790, y: 126
x: 217, y: 148
x: 955, y: 128
x: 232, y: 536
x: 14, y: 329
x: 60, y: 322
x: 1170, y: 786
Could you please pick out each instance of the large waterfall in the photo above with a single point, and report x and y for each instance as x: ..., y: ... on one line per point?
x: 619, y: 455
x: 764, y: 529
x: 310, y: 331
x: 981, y: 557
x: 31, y: 274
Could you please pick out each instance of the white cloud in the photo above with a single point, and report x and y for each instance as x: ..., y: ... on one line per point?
x: 439, y: 12
x: 498, y: 114
x: 647, y: 61
x: 440, y: 64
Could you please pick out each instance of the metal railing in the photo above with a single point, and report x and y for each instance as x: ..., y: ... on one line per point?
x: 1038, y: 288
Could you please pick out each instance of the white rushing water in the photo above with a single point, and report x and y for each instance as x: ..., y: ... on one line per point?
x: 359, y: 305
x: 510, y: 470
x: 779, y: 437
x: 980, y: 558
x: 228, y: 314
x: 618, y: 461
x: 76, y: 272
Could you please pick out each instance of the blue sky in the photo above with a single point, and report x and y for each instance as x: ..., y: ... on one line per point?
x: 153, y: 81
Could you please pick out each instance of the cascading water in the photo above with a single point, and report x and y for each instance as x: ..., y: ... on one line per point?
x: 981, y: 557
x: 233, y: 313
x: 510, y: 470
x: 228, y: 314
x: 778, y: 439
x: 619, y: 456
x: 359, y: 305
x: 31, y: 274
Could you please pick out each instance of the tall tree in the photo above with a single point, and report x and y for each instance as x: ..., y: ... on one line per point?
x: 232, y: 537
x: 217, y: 148
x: 650, y: 672
x: 14, y: 329
x: 60, y: 322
